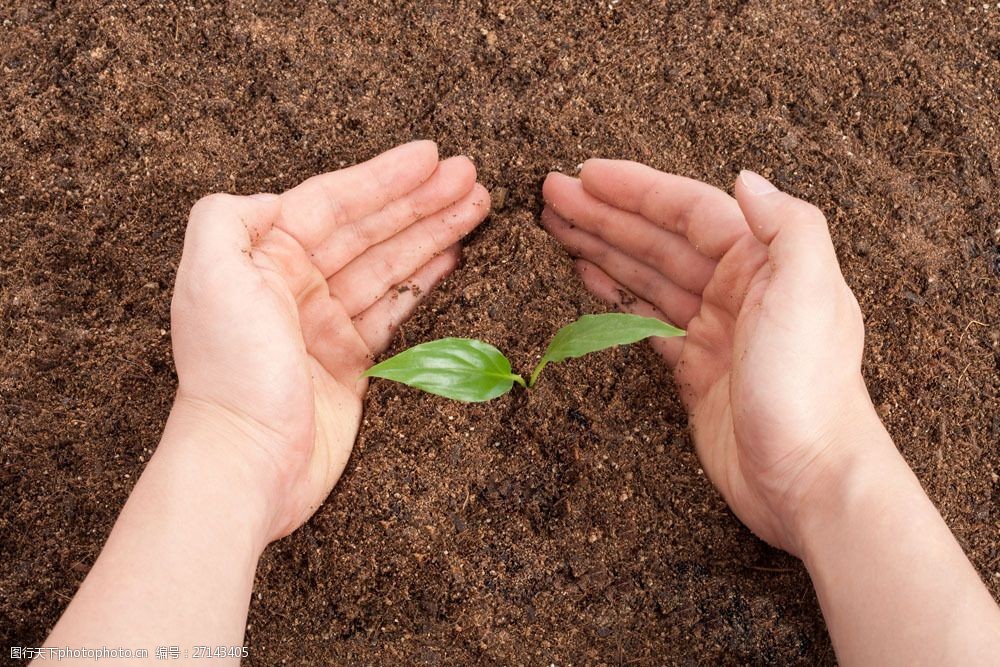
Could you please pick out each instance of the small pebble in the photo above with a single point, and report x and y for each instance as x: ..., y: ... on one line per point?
x: 499, y: 198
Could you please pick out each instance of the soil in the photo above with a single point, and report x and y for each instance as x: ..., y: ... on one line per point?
x: 569, y: 526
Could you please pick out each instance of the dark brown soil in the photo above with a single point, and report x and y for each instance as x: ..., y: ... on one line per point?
x: 571, y: 526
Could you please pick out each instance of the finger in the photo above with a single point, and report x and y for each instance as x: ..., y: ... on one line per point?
x: 709, y: 218
x: 607, y: 289
x: 365, y: 279
x: 312, y: 210
x: 645, y: 282
x: 280, y: 252
x: 222, y: 230
x: 330, y: 337
x: 795, y: 232
x: 743, y: 266
x: 667, y: 252
x: 451, y: 181
x: 378, y: 324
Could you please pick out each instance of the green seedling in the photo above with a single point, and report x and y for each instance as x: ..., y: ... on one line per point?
x: 471, y: 371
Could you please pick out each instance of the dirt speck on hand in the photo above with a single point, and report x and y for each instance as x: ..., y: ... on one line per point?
x: 107, y: 139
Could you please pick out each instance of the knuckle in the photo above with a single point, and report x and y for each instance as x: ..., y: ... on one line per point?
x: 208, y: 204
x: 185, y: 296
x: 809, y: 213
x: 337, y: 212
x: 598, y: 254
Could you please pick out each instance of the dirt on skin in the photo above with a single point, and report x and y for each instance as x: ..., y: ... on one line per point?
x: 568, y: 526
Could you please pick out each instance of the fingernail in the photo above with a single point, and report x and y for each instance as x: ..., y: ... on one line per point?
x: 264, y: 196
x: 756, y: 183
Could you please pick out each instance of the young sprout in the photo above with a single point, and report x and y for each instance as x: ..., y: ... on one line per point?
x: 469, y: 370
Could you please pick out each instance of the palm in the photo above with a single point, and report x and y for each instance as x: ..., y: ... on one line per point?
x: 714, y: 363
x: 669, y: 247
x: 331, y: 269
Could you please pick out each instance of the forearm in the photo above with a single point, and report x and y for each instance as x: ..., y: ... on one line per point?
x: 178, y: 567
x: 894, y: 584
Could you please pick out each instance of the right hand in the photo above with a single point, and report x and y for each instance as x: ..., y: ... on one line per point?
x: 283, y: 300
x: 770, y: 369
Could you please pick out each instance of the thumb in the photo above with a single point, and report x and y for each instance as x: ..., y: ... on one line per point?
x: 218, y: 243
x: 794, y: 231
x: 221, y: 225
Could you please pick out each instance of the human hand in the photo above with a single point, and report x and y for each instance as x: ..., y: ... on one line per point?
x: 770, y: 369
x: 282, y: 301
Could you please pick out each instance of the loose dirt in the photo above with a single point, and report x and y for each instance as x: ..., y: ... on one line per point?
x: 569, y: 526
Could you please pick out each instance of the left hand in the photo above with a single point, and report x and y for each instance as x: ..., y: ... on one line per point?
x: 281, y: 302
x: 770, y: 368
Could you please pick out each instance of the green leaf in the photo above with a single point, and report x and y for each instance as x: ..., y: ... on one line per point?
x: 591, y: 333
x: 463, y: 369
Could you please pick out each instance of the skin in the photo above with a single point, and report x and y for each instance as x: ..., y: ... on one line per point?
x: 770, y: 373
x: 281, y: 302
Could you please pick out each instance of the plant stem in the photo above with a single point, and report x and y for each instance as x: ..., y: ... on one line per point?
x: 535, y: 373
x: 520, y: 380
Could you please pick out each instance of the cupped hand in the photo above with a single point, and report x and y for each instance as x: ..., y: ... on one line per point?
x: 281, y: 301
x: 770, y: 369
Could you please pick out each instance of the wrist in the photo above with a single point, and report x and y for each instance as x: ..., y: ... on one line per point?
x: 191, y: 525
x: 203, y: 453
x: 863, y: 472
